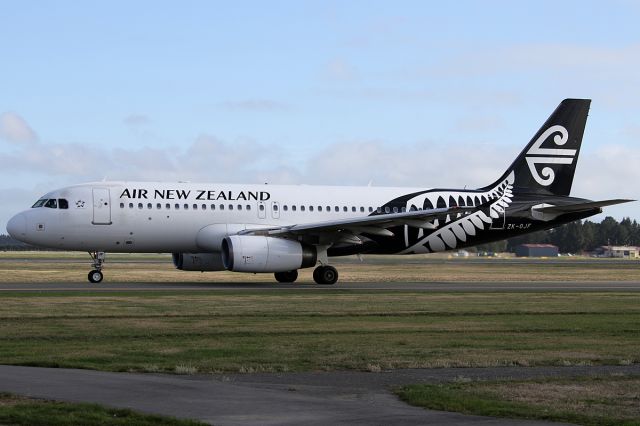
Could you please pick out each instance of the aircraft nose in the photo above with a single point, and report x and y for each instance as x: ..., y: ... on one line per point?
x: 17, y: 226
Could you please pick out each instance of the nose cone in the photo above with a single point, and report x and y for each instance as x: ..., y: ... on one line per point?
x: 17, y: 226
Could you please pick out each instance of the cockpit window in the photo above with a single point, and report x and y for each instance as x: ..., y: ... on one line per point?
x: 39, y: 203
x: 62, y: 203
x: 52, y: 204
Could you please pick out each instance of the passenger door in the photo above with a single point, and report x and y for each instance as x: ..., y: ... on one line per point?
x: 101, y: 206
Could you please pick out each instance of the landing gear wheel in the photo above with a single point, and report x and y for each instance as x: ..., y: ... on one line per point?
x: 325, y: 274
x: 286, y: 277
x: 95, y: 276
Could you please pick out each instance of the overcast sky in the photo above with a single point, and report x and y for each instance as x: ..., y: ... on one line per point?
x: 410, y: 93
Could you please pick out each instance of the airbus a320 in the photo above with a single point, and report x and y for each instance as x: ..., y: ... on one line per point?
x: 280, y: 229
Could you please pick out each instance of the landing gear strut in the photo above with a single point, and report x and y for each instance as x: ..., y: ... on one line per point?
x: 286, y: 277
x: 325, y: 274
x: 96, y: 276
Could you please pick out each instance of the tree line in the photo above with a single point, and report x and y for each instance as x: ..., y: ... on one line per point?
x: 577, y: 237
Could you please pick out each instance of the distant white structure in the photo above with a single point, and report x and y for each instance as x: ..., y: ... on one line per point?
x: 624, y: 252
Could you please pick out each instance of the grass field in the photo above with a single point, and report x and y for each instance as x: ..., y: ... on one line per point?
x: 185, y: 332
x: 586, y: 400
x: 16, y: 410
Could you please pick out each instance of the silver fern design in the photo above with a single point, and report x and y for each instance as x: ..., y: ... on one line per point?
x: 463, y: 227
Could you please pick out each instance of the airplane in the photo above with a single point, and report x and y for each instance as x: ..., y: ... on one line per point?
x: 280, y: 229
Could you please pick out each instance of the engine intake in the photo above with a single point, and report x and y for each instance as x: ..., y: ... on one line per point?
x: 198, y: 261
x: 255, y: 253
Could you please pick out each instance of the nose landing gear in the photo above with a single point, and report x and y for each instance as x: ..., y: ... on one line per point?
x: 98, y: 257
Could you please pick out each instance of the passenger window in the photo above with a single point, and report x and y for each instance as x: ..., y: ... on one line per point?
x: 319, y: 208
x: 293, y: 208
x: 195, y: 207
x: 239, y: 206
x: 261, y: 207
x: 177, y: 206
x: 248, y: 206
x: 130, y: 205
x: 140, y: 205
x: 403, y: 209
x: 221, y: 206
x: 395, y: 210
x: 275, y: 207
x: 149, y: 205
x: 328, y: 209
x: 361, y: 209
x: 345, y: 209
x: 122, y: 205
x: 370, y: 209
x: 353, y: 209
x: 337, y: 208
x: 64, y: 204
x: 310, y: 208
x: 213, y: 206
x: 285, y: 208
x: 167, y: 206
x: 186, y: 206
x: 386, y: 209
x: 158, y: 206
x: 230, y: 206
x: 379, y: 209
x: 301, y: 208
x: 204, y: 207
x: 52, y: 204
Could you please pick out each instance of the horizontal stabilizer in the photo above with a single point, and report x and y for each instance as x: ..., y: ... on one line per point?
x: 579, y: 207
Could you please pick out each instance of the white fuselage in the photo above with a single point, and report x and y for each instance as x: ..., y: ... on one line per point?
x: 171, y: 217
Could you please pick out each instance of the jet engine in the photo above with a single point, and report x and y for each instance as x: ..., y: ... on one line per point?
x: 255, y: 253
x: 198, y: 261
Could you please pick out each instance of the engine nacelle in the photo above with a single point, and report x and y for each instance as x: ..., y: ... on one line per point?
x: 255, y: 253
x: 198, y: 261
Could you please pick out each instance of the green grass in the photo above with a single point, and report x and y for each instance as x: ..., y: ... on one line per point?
x: 611, y: 400
x: 188, y: 332
x: 16, y: 410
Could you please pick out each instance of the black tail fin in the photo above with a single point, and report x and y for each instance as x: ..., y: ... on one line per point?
x: 548, y: 162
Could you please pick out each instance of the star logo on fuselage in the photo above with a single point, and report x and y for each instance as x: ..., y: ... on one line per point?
x: 80, y: 204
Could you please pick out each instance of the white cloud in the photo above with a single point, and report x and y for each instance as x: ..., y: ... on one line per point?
x: 15, y: 129
x: 135, y: 120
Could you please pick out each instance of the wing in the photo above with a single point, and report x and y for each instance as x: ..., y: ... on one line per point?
x: 378, y: 224
x: 578, y: 207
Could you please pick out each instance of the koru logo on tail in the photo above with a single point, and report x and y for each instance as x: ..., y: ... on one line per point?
x: 538, y: 155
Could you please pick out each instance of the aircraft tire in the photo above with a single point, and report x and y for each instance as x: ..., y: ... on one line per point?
x: 95, y: 276
x: 286, y: 277
x: 325, y: 274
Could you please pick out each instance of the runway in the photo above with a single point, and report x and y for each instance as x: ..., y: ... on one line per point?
x: 473, y: 287
x: 318, y: 398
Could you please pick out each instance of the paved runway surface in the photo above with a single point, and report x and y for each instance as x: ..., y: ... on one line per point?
x: 513, y: 286
x: 272, y: 399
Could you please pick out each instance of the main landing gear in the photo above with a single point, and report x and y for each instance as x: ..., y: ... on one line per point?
x: 96, y: 276
x: 323, y: 274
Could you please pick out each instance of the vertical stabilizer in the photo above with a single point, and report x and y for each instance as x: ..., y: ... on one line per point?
x: 548, y: 162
